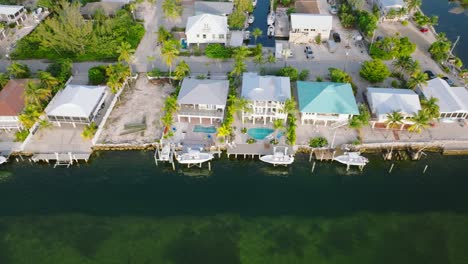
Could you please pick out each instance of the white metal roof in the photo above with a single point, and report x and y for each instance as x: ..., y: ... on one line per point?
x: 451, y: 99
x: 207, y: 23
x: 210, y: 92
x: 383, y: 101
x: 311, y: 21
x: 214, y: 8
x: 237, y: 38
x: 75, y: 101
x: 10, y: 9
x: 265, y: 88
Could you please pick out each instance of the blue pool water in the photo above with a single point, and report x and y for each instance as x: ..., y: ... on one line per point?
x: 203, y: 129
x: 259, y: 133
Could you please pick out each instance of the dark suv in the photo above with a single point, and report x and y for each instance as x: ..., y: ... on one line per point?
x: 336, y: 37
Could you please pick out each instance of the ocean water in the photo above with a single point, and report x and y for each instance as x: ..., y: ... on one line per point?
x: 121, y: 208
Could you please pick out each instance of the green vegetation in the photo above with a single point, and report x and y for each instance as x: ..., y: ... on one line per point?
x: 420, y: 122
x: 65, y: 34
x: 182, y: 70
x: 21, y: 135
x: 290, y: 72
x: 304, y: 75
x: 218, y: 51
x: 413, y: 4
x: 240, y: 54
x: 359, y: 121
x: 170, y: 52
x: 406, y: 64
x: 318, y: 39
x: 237, y: 18
x: 18, y: 70
x: 4, y: 79
x: 440, y: 50
x: 430, y: 107
x: 318, y: 142
x: 351, y: 17
x: 339, y: 76
x: 423, y: 20
x: 394, y: 119
x: 116, y: 76
x: 347, y: 15
x: 256, y: 33
x: 374, y: 71
x: 89, y: 131
x: 97, y: 75
x: 392, y: 47
x: 416, y: 79
x: 172, y: 8
x: 170, y: 107
x: 250, y: 141
x: 367, y: 22
x: 290, y: 109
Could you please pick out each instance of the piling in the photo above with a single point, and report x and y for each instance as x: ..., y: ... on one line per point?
x: 425, y: 168
x: 391, y: 168
x: 313, y: 167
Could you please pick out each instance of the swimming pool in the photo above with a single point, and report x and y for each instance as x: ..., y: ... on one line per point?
x: 259, y: 133
x: 203, y: 129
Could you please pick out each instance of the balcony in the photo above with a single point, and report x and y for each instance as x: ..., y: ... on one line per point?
x: 191, y: 110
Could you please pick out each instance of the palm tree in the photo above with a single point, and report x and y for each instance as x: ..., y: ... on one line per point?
x: 258, y: 59
x: 413, y: 4
x: 171, y: 9
x: 413, y: 67
x: 430, y: 107
x: 289, y: 107
x: 394, y: 119
x: 36, y: 95
x: 224, y: 131
x: 402, y: 63
x: 361, y: 120
x: 3, y: 80
x: 241, y: 53
x: 278, y: 125
x: 170, y: 52
x: 113, y: 83
x: 18, y: 70
x: 126, y: 52
x: 182, y: 69
x: 256, y: 33
x: 167, y: 120
x: 418, y: 78
x: 239, y: 67
x: 171, y: 106
x: 47, y: 80
x: 30, y: 115
x: 421, y: 122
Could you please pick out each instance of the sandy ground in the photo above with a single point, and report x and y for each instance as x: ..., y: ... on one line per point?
x: 143, y: 101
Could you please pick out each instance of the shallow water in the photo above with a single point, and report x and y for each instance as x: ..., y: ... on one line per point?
x: 121, y: 208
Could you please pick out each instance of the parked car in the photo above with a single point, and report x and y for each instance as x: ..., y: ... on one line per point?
x: 333, y: 10
x: 336, y: 37
x: 450, y: 82
x: 430, y: 74
x: 423, y: 29
x: 379, y: 38
x: 309, y: 53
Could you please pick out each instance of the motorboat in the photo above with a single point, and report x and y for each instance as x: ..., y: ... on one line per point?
x: 194, y: 157
x: 280, y: 157
x: 3, y: 159
x: 271, y: 31
x: 352, y: 158
x: 271, y: 18
x: 251, y: 19
x: 254, y: 3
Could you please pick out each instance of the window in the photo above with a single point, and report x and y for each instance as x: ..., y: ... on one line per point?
x: 221, y: 36
x: 198, y: 35
x: 204, y: 36
x: 306, y: 29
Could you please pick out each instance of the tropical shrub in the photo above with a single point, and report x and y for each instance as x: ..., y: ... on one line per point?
x: 61, y: 69
x: 392, y: 47
x: 304, y: 75
x: 290, y: 72
x: 440, y: 49
x: 89, y: 131
x: 21, y: 135
x: 367, y: 22
x: 218, y: 51
x: 18, y: 70
x: 251, y: 141
x: 337, y: 75
x: 97, y: 75
x: 374, y: 71
x: 318, y: 142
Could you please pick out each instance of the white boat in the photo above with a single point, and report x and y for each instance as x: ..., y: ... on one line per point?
x: 254, y: 3
x: 280, y: 157
x: 271, y: 18
x: 194, y: 157
x: 3, y: 160
x: 352, y: 158
x: 271, y: 31
x: 251, y: 19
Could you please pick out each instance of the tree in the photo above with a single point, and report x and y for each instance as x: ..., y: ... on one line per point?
x: 289, y: 107
x: 224, y: 131
x: 182, y: 69
x: 394, y: 119
x: 256, y: 33
x: 440, y: 50
x: 171, y: 8
x: 420, y: 122
x: 290, y: 72
x: 392, y: 47
x: 3, y: 80
x: 241, y: 53
x: 346, y: 15
x: 47, y: 80
x: 244, y: 5
x: 18, y: 70
x: 406, y: 63
x: 170, y: 52
x: 361, y: 120
x: 218, y: 51
x: 337, y: 75
x: 62, y: 70
x: 125, y: 52
x: 278, y: 125
x: 367, y: 22
x: 239, y: 104
x: 236, y: 19
x: 430, y: 107
x: 164, y: 35
x: 67, y: 31
x: 304, y: 75
x: 35, y: 94
x: 318, y: 39
x: 416, y: 79
x: 374, y: 71
x: 89, y: 131
x: 318, y: 142
x: 413, y: 4
x: 239, y: 67
x: 423, y: 20
x: 30, y: 115
x: 97, y: 75
x: 258, y: 59
x: 116, y: 76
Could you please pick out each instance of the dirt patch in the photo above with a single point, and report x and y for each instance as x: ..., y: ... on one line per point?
x: 136, y: 117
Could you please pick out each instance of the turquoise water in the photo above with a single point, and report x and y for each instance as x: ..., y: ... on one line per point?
x: 259, y: 133
x: 203, y: 129
x: 121, y: 208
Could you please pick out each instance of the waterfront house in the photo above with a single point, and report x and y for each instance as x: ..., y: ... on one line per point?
x: 214, y: 8
x: 12, y: 14
x: 267, y: 95
x: 206, y: 28
x: 326, y: 102
x: 389, y: 9
x: 12, y: 103
x: 202, y: 100
x: 76, y: 104
x: 384, y: 101
x: 305, y: 27
x: 452, y: 101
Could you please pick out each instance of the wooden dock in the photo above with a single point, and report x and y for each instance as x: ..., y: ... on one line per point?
x: 324, y: 154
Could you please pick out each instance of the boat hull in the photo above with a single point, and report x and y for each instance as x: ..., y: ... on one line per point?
x: 287, y: 160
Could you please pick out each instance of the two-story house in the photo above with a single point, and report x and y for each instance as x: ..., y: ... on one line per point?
x: 305, y: 27
x: 206, y: 28
x: 202, y: 100
x: 12, y: 14
x: 267, y: 95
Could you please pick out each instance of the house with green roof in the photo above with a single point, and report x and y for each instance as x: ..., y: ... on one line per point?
x: 326, y: 102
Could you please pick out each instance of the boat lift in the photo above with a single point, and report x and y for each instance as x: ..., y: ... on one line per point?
x: 165, y: 154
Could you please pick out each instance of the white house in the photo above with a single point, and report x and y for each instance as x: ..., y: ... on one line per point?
x: 76, y: 104
x: 384, y: 101
x: 267, y: 95
x: 12, y: 103
x: 206, y: 28
x: 202, y: 99
x: 305, y: 27
x: 326, y: 102
x: 12, y: 14
x: 452, y: 101
x: 386, y: 7
x: 214, y: 8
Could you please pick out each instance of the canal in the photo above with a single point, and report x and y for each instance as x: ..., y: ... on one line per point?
x: 261, y: 13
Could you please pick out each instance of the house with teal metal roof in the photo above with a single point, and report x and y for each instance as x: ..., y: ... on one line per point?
x: 326, y: 102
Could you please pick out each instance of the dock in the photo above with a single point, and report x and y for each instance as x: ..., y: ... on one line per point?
x: 165, y: 154
x: 251, y: 150
x: 281, y: 23
x: 61, y: 159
